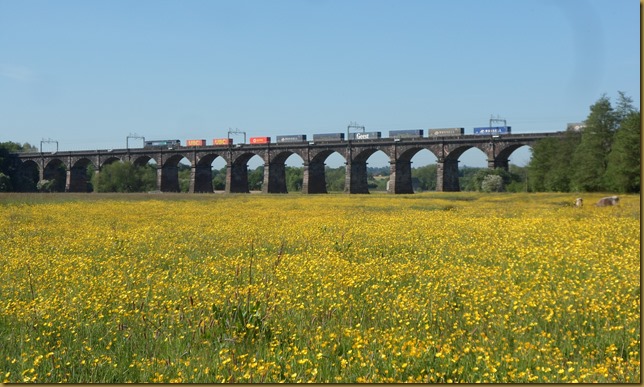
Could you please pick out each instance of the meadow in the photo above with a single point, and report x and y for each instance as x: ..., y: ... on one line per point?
x: 432, y: 287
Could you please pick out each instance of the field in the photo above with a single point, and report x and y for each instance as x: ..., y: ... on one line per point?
x: 434, y: 287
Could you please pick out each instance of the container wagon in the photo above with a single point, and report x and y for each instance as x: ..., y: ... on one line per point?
x: 291, y: 138
x: 493, y: 130
x: 222, y: 141
x: 365, y: 135
x: 260, y: 140
x: 328, y: 137
x: 445, y: 132
x: 169, y: 144
x: 406, y: 133
x: 195, y: 142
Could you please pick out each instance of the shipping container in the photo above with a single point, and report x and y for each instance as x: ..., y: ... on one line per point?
x: 328, y: 137
x: 260, y: 140
x: 195, y: 142
x: 222, y: 141
x: 291, y: 138
x: 162, y: 144
x: 493, y: 130
x: 445, y: 132
x: 364, y: 135
x: 406, y: 133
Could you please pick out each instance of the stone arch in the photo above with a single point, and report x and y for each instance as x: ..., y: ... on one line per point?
x: 170, y: 173
x: 108, y: 161
x: 447, y: 178
x: 142, y: 160
x: 275, y: 172
x: 56, y: 172
x: 314, y: 179
x: 400, y: 179
x: 202, y: 173
x: 357, y: 177
x: 410, y: 152
x: 456, y: 152
x: 502, y: 160
x: 237, y: 175
x: 79, y: 178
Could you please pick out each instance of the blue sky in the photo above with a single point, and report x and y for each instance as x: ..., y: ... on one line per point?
x: 89, y: 73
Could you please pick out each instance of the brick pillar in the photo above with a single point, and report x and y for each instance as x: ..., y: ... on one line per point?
x: 169, y: 178
x: 159, y: 178
x: 356, y: 178
x: 274, y: 178
x: 447, y: 176
x: 201, y: 179
x: 499, y: 163
x: 97, y: 173
x: 237, y: 178
x: 313, y: 179
x: 68, y: 180
x: 400, y: 177
x: 77, y: 179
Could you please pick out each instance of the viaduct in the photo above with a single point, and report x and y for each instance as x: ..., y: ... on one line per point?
x: 356, y: 152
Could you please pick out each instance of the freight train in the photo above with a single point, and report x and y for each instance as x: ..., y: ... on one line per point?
x: 340, y: 136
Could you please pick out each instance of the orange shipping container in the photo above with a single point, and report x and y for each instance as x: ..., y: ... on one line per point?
x: 222, y: 141
x: 196, y: 142
x: 260, y: 140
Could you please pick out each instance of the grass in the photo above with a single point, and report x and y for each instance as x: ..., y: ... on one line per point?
x: 435, y: 287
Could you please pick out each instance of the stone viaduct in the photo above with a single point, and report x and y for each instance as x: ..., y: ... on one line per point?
x: 356, y: 153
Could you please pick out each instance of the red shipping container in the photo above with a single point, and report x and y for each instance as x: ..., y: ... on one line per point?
x: 222, y: 141
x: 195, y: 142
x: 260, y: 140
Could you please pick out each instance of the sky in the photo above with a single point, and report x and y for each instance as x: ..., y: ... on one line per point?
x: 88, y: 74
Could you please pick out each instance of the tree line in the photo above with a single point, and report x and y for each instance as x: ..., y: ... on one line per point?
x: 603, y: 156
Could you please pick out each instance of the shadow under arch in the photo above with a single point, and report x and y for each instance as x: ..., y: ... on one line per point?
x: 55, y: 173
x: 203, y: 176
x: 79, y: 176
x: 27, y: 178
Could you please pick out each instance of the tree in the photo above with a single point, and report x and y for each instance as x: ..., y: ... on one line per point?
x: 125, y: 177
x: 46, y: 185
x: 184, y: 177
x: 590, y: 157
x: 256, y: 178
x: 335, y: 179
x: 492, y: 183
x: 517, y: 181
x: 624, y: 161
x: 219, y: 179
x: 466, y: 178
x: 5, y: 183
x: 426, y: 177
x: 21, y: 180
x: 551, y: 165
x: 480, y: 176
x: 294, y: 179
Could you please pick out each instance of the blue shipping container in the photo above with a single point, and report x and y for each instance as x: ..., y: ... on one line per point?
x: 493, y: 130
